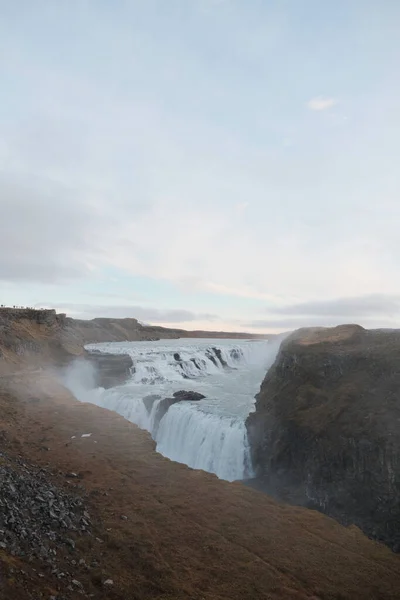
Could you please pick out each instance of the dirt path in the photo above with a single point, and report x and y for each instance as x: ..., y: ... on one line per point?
x: 168, y: 532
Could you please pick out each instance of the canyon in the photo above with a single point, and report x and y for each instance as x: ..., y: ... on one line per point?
x: 323, y: 435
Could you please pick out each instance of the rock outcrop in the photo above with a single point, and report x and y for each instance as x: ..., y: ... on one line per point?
x: 326, y: 429
x: 116, y: 330
x: 166, y: 403
x: 130, y: 330
x: 32, y: 338
x: 109, y: 369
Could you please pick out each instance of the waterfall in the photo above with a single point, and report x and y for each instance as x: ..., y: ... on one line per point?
x: 205, y: 441
x: 158, y: 364
x: 209, y: 434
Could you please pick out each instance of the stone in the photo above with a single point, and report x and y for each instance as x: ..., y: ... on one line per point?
x: 188, y: 396
x: 35, y: 515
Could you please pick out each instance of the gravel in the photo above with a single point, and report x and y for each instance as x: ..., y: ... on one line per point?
x: 37, y: 518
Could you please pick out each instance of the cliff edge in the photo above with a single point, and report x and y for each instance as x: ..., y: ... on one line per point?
x: 90, y: 510
x: 33, y: 338
x: 326, y: 429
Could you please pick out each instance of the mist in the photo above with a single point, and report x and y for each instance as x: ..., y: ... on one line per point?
x: 80, y: 377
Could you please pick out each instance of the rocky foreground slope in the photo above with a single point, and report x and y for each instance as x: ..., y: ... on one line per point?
x: 326, y: 430
x: 154, y: 529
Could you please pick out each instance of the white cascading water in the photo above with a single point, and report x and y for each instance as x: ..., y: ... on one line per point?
x: 209, y: 434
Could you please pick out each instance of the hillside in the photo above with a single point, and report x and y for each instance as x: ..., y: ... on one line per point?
x: 325, y: 432
x: 140, y: 527
x: 32, y: 338
x: 120, y: 330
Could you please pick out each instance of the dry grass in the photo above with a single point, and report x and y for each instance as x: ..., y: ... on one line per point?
x: 188, y: 535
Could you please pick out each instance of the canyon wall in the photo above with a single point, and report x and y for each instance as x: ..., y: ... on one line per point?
x: 326, y: 429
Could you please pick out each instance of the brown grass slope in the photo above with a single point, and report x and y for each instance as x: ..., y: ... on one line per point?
x: 187, y: 535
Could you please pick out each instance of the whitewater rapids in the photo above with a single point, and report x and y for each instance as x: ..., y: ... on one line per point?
x: 209, y: 434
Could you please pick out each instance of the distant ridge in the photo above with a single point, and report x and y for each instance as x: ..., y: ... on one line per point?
x: 34, y: 337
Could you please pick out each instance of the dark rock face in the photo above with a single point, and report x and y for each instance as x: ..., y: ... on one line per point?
x: 326, y: 430
x: 218, y: 354
x: 165, y: 404
x: 149, y: 400
x: 190, y: 396
x: 110, y: 369
x: 162, y: 408
x: 211, y: 357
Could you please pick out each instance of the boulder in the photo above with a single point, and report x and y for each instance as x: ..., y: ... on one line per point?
x: 188, y: 395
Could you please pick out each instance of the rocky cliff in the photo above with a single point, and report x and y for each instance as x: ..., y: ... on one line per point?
x: 130, y: 330
x: 326, y: 429
x: 30, y: 337
x: 33, y: 338
x: 115, y: 330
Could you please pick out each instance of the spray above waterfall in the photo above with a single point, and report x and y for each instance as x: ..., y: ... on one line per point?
x: 209, y: 434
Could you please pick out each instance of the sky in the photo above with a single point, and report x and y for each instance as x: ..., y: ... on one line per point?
x: 213, y: 164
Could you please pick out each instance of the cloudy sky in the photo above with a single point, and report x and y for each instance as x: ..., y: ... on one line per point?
x: 203, y: 163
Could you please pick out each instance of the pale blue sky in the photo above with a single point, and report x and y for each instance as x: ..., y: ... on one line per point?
x: 205, y: 163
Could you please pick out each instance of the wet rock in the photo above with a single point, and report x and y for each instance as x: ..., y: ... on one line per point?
x: 162, y: 408
x: 188, y: 395
x: 218, y: 354
x: 211, y: 357
x: 149, y: 400
x: 110, y: 369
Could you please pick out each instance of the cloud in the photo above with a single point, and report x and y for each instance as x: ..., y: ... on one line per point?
x: 240, y: 207
x: 292, y: 323
x: 45, y: 233
x: 373, y: 310
x: 320, y: 103
x: 142, y: 313
x: 105, y: 165
x: 359, y: 306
